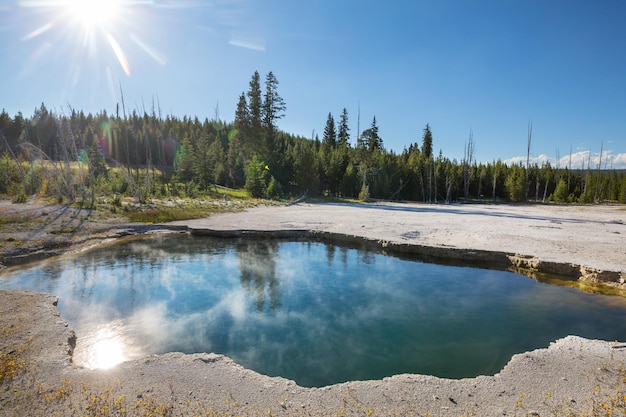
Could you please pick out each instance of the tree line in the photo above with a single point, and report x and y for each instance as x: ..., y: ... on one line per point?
x: 72, y: 155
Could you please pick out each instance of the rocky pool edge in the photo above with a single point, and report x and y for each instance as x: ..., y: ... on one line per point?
x: 494, y: 259
x: 572, y: 375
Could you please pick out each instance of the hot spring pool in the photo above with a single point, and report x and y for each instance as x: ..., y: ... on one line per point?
x: 313, y: 312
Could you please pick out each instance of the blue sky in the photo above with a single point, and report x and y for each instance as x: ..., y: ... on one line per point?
x: 479, y: 65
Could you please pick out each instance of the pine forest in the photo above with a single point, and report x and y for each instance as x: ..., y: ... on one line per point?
x: 72, y: 156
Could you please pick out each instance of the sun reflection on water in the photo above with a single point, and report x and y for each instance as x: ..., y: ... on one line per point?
x: 103, y: 347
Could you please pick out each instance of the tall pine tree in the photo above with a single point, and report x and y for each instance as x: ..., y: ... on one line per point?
x: 255, y: 111
x: 375, y: 141
x: 330, y: 133
x: 273, y: 109
x: 427, y: 143
x: 242, y: 116
x: 343, y: 136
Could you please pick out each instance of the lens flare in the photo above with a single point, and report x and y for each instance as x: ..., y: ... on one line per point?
x: 39, y: 31
x: 93, y: 12
x: 80, y: 28
x: 119, y: 53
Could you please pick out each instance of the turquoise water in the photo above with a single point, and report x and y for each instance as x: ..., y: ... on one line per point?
x: 312, y: 312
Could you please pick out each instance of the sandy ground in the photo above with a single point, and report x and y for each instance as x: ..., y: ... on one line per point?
x: 35, y: 230
x: 590, y: 236
x: 573, y: 375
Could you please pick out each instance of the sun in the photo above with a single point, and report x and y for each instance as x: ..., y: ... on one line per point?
x: 98, y: 19
x: 92, y: 31
x: 91, y: 13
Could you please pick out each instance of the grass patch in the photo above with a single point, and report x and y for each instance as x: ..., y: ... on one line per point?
x: 233, y: 193
x: 12, y: 363
x: 62, y: 231
x: 163, y: 211
x: 328, y: 199
x: 14, y: 219
x: 170, y: 214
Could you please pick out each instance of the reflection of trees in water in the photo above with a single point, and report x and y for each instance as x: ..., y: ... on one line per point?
x: 143, y: 257
x: 257, y: 263
x: 53, y: 272
x: 84, y: 286
x: 344, y: 256
x: 330, y: 252
x: 367, y: 257
x: 138, y: 262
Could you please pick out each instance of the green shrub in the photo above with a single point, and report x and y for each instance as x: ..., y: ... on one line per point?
x: 17, y: 193
x: 622, y: 191
x: 255, y: 178
x: 561, y: 194
x: 9, y: 173
x: 364, y: 194
x: 274, y: 189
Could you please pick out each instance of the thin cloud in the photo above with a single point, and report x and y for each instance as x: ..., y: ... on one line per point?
x: 619, y: 161
x: 577, y: 160
x: 248, y: 43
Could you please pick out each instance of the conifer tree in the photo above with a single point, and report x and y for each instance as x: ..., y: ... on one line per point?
x: 560, y: 193
x: 427, y: 143
x: 201, y: 163
x: 216, y: 158
x: 330, y: 134
x: 343, y: 136
x: 97, y: 165
x: 255, y: 111
x: 242, y: 116
x: 255, y: 178
x: 375, y: 142
x: 622, y: 191
x: 273, y: 108
x: 350, y: 181
x: 243, y: 127
x: 515, y: 184
x: 183, y: 161
x: 235, y: 162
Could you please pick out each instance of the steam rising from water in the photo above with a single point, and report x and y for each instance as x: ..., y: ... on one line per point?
x: 315, y: 313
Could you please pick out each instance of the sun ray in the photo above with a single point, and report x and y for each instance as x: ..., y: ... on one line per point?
x: 39, y: 31
x: 119, y: 53
x: 93, y: 42
x: 36, y: 58
x: 149, y: 50
x: 112, y: 95
x: 84, y: 23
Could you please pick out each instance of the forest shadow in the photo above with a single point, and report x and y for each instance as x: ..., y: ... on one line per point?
x: 468, y: 210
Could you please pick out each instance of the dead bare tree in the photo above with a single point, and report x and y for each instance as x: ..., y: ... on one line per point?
x: 57, y: 177
x: 19, y: 166
x: 537, y: 181
x: 67, y: 179
x: 125, y: 130
x: 586, y: 182
x: 468, y: 157
x: 598, y: 191
x: 602, y: 173
x: 548, y: 172
x: 530, y: 135
x: 495, y: 179
x: 396, y: 194
x: 435, y: 180
x: 481, y: 175
x: 569, y: 168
